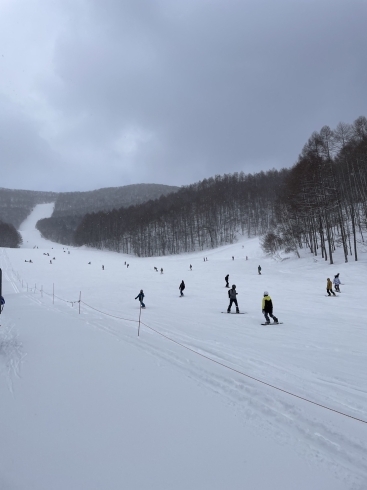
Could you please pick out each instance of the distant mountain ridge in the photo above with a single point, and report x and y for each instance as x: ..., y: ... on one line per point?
x: 16, y: 205
x: 108, y: 198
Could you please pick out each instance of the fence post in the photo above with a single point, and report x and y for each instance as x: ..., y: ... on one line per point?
x: 139, y: 321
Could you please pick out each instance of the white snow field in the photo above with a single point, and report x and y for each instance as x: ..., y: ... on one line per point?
x: 86, y: 404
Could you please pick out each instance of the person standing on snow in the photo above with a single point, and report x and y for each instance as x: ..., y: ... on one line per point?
x: 227, y: 280
x: 259, y: 270
x: 329, y: 287
x: 336, y: 282
x: 181, y: 288
x: 232, y: 293
x: 2, y: 303
x: 267, y: 308
x: 140, y: 297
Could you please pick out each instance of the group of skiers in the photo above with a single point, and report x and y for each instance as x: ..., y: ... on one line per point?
x: 329, y: 285
x: 266, y: 305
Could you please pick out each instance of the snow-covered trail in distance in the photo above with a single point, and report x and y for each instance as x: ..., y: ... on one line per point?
x: 319, y: 352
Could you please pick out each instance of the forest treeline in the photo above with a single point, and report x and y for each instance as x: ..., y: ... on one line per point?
x: 318, y: 204
x: 323, y: 203
x: 70, y: 207
x: 9, y: 236
x: 202, y: 215
x: 16, y: 204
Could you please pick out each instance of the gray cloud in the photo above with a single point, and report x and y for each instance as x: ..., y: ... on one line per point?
x: 172, y: 92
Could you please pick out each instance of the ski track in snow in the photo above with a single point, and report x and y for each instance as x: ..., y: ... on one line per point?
x: 318, y: 353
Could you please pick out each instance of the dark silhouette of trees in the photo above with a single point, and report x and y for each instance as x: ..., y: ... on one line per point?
x: 59, y: 229
x: 323, y: 203
x: 204, y: 215
x: 9, y: 236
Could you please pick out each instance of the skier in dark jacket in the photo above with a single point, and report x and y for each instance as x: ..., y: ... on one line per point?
x: 227, y: 280
x: 232, y: 293
x: 267, y: 308
x: 259, y: 270
x: 140, y: 297
x: 181, y: 288
x: 2, y: 303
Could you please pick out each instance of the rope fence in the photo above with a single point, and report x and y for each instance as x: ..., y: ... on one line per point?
x: 80, y: 302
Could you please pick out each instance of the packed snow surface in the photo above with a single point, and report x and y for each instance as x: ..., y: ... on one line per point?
x: 86, y: 403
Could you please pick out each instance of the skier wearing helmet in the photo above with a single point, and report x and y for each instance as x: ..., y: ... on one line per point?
x: 232, y: 293
x: 267, y: 308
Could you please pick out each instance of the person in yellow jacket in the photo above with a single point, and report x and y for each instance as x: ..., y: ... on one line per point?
x: 329, y: 287
x: 267, y: 308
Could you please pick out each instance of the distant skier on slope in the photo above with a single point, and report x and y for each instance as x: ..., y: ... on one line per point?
x: 227, y: 281
x: 329, y: 287
x: 259, y: 270
x: 336, y: 282
x: 267, y: 308
x: 2, y: 303
x: 232, y: 293
x: 140, y: 297
x: 182, y: 287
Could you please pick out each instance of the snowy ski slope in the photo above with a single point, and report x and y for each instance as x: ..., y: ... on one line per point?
x: 87, y: 404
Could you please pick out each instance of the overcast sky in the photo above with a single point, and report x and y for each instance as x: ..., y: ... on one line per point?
x: 100, y: 93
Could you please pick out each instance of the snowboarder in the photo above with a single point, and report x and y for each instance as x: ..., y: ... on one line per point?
x: 140, y: 296
x: 232, y: 293
x: 181, y: 287
x: 336, y: 282
x: 329, y: 287
x: 2, y: 303
x: 227, y: 280
x: 259, y: 270
x: 267, y: 308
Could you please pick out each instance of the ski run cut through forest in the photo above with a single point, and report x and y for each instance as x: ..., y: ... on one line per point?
x: 97, y: 393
